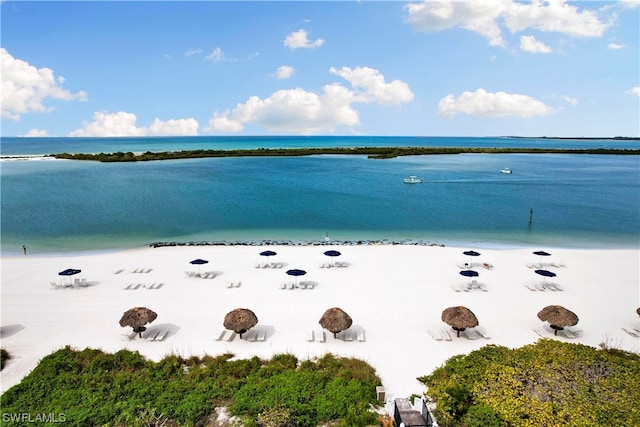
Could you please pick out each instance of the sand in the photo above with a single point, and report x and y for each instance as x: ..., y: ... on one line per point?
x: 394, y: 293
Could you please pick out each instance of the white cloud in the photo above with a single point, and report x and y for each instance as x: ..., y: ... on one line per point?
x: 554, y: 16
x: 173, y: 127
x: 570, y: 100
x: 630, y: 4
x: 615, y: 46
x: 305, y: 112
x: 485, y: 17
x: 124, y: 124
x: 530, y: 44
x: 222, y: 123
x: 284, y: 72
x: 36, y: 133
x: 25, y: 87
x: 299, y: 39
x: 478, y: 16
x: 486, y: 104
x: 374, y: 86
x: 190, y: 52
x: 635, y: 91
x: 217, y: 55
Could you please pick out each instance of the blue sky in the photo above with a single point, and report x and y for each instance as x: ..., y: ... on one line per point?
x: 432, y: 68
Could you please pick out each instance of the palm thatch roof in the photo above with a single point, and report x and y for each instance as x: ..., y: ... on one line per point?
x: 558, y: 317
x: 137, y: 317
x: 459, y: 318
x: 638, y: 311
x: 335, y: 320
x: 240, y: 320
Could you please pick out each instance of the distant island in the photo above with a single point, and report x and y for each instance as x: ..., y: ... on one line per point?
x: 371, y: 152
x: 579, y: 138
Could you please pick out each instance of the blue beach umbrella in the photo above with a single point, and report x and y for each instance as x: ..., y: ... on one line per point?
x: 69, y: 272
x: 268, y: 254
x: 471, y: 254
x: 469, y: 273
x: 541, y: 254
x: 296, y: 272
x: 545, y: 273
x: 199, y: 262
x: 332, y: 253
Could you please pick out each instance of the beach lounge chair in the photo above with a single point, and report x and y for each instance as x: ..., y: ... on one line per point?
x: 126, y: 288
x: 159, y: 285
x: 83, y: 282
x: 292, y: 285
x: 470, y: 334
x: 148, y: 270
x: 54, y: 285
x: 347, y: 335
x: 152, y: 286
x: 434, y: 335
x: 456, y: 287
x: 539, y: 333
x: 360, y: 336
x: 482, y: 287
x: 262, y: 335
x: 229, y: 284
x: 482, y: 334
x: 567, y: 334
x: 631, y: 332
x: 252, y: 336
x: 319, y: 335
x: 530, y: 287
x: 554, y: 287
x: 540, y: 287
x: 231, y: 336
x: 445, y: 335
x: 309, y: 336
x: 221, y: 335
x: 238, y: 284
x: 118, y: 272
x: 138, y: 286
x: 163, y: 335
x: 283, y: 285
x: 303, y: 285
x: 152, y: 335
x: 310, y: 285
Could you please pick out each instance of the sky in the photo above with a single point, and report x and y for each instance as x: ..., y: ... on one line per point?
x: 414, y: 68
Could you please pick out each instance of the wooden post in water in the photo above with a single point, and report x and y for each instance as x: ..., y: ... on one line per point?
x: 530, y: 216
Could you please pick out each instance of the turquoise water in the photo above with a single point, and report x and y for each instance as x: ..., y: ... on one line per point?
x: 577, y: 200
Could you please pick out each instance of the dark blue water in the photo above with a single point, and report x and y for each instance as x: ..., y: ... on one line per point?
x: 577, y: 200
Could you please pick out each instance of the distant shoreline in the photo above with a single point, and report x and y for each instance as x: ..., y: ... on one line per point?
x: 371, y: 152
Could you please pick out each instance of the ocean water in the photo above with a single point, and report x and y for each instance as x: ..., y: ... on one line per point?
x: 57, y: 206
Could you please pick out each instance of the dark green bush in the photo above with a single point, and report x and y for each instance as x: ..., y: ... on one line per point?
x: 4, y: 356
x: 95, y: 388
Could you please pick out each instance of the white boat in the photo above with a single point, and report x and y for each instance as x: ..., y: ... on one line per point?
x: 506, y: 170
x: 413, y: 180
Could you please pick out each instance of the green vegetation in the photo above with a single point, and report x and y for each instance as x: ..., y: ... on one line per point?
x: 4, y: 356
x: 91, y: 387
x: 543, y: 384
x: 371, y: 152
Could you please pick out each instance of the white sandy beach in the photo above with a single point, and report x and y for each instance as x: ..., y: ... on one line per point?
x: 395, y: 295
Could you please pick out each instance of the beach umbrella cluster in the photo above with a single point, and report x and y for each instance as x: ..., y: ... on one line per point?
x: 459, y: 318
x: 558, y: 317
x: 335, y: 320
x: 240, y: 320
x: 137, y: 317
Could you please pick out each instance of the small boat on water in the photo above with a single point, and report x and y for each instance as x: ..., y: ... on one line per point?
x: 413, y: 180
x: 506, y: 170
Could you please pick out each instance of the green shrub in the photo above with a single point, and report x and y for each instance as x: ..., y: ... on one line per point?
x: 4, y: 356
x: 547, y: 383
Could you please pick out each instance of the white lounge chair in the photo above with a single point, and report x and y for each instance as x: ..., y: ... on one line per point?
x: 483, y: 334
x: 445, y: 335
x: 159, y: 285
x: 540, y: 287
x: 360, y: 336
x: 319, y: 335
x: 138, y: 286
x: 531, y: 287
x: 456, y: 287
x: 54, y: 285
x: 309, y: 336
x: 151, y: 336
x: 163, y: 335
x: 221, y: 335
x: 83, y: 282
x: 470, y: 334
x: 434, y: 335
x: 567, y: 333
x: 262, y: 335
x: 347, y: 335
x: 126, y: 288
x: 631, y: 332
x: 231, y: 336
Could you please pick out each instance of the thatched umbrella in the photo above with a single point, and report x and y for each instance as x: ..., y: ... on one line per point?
x: 335, y: 320
x: 137, y: 317
x: 558, y: 317
x: 459, y: 318
x: 638, y: 311
x: 240, y: 320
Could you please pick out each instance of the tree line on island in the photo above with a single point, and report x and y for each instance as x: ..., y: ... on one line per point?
x: 370, y: 152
